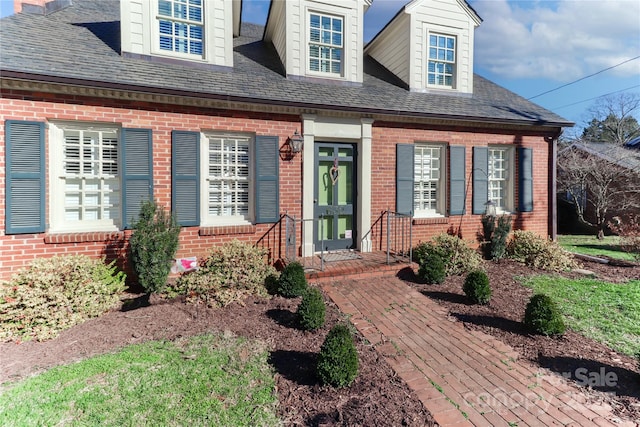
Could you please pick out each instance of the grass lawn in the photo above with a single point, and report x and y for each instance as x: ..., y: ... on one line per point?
x: 201, y: 381
x: 606, y: 312
x: 590, y: 245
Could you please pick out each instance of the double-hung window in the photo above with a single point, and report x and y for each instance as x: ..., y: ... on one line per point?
x: 181, y: 26
x: 326, y: 44
x: 228, y: 179
x: 441, y: 66
x: 428, y: 194
x: 500, y: 177
x: 86, y: 185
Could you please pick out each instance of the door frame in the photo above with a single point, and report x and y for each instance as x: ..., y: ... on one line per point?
x: 355, y: 130
x: 334, y: 242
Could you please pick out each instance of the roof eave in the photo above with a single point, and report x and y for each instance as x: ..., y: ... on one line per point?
x: 369, y: 111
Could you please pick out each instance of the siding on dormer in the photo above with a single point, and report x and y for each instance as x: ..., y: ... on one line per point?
x: 443, y: 17
x: 287, y: 28
x: 393, y: 54
x: 402, y: 46
x: 139, y: 31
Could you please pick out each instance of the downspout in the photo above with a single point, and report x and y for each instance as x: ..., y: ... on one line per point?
x: 553, y: 196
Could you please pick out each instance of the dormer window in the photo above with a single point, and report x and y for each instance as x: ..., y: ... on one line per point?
x: 326, y: 44
x: 181, y: 26
x: 442, y: 61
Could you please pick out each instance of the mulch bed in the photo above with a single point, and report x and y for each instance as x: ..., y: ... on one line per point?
x: 378, y: 397
x: 502, y: 318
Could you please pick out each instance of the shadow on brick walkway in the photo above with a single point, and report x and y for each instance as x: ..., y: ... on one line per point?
x: 463, y: 377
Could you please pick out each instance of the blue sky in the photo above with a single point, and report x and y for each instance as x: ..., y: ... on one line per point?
x: 532, y: 46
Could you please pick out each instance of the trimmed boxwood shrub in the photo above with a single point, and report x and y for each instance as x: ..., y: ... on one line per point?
x: 476, y: 287
x: 338, y: 358
x: 311, y: 311
x: 542, y: 316
x: 431, y: 269
x: 293, y: 282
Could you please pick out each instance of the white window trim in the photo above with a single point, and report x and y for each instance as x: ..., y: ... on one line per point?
x: 333, y: 12
x: 441, y: 186
x: 155, y: 26
x: 509, y: 196
x: 454, y: 74
x: 430, y: 29
x: 58, y: 223
x: 216, y: 221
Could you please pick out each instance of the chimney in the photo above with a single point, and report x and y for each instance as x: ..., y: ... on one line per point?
x: 39, y: 7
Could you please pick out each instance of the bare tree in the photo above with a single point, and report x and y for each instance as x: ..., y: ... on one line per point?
x: 614, y: 119
x: 601, y: 181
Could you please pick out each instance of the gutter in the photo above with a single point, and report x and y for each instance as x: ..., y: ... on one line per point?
x: 40, y: 78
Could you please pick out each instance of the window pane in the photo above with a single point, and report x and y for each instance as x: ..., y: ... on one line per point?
x: 315, y: 21
x: 229, y: 176
x: 326, y: 23
x: 164, y: 8
x: 314, y: 35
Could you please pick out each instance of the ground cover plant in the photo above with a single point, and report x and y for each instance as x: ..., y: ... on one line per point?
x: 606, y: 312
x: 609, y: 246
x: 213, y: 379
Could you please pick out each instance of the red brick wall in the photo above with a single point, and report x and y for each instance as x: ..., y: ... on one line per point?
x: 387, y: 135
x: 18, y: 250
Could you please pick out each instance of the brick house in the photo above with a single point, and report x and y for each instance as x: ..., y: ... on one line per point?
x: 106, y: 103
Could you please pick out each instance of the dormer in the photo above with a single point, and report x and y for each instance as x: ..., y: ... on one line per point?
x: 200, y: 31
x: 318, y: 39
x: 429, y: 46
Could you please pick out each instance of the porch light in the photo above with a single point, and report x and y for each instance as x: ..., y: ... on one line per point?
x: 295, y: 142
x: 490, y: 208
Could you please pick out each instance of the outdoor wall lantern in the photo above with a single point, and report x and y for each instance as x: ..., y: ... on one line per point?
x: 490, y: 208
x: 295, y: 142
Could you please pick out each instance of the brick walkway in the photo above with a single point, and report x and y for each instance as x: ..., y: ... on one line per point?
x: 464, y: 378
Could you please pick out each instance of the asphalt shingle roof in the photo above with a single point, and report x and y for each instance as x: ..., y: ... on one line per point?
x: 82, y: 43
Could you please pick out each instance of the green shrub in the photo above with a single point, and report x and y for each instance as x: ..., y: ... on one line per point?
x: 431, y: 269
x: 458, y: 257
x: 153, y: 245
x: 495, y: 233
x: 293, y: 282
x: 338, y: 358
x: 543, y: 317
x: 53, y: 294
x: 311, y: 311
x: 476, y: 287
x: 231, y: 272
x: 537, y: 252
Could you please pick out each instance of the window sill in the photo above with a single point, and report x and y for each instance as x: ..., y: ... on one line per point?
x: 431, y: 220
x: 98, y: 236
x: 223, y: 230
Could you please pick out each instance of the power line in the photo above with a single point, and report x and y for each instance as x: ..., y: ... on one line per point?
x: 595, y: 97
x: 583, y: 78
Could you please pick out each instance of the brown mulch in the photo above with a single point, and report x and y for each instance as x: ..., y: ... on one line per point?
x: 502, y: 318
x: 377, y: 397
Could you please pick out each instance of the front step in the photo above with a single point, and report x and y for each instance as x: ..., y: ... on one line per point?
x: 366, y: 266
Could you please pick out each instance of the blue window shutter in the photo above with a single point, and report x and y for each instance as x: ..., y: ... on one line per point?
x: 185, y: 177
x: 267, y: 169
x: 525, y: 184
x: 405, y: 164
x: 457, y: 178
x: 25, y: 177
x: 480, y: 179
x: 137, y: 158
